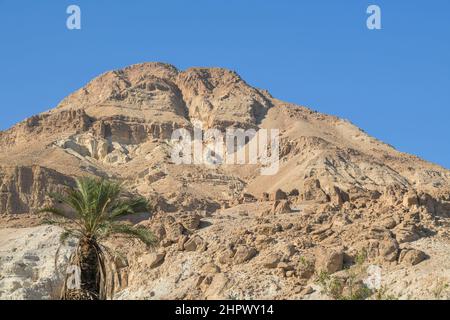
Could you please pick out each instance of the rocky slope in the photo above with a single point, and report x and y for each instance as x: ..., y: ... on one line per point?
x: 228, y: 231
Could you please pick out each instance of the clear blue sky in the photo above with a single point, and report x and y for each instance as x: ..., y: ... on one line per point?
x: 393, y: 83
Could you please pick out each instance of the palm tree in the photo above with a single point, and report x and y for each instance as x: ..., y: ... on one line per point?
x: 95, y: 207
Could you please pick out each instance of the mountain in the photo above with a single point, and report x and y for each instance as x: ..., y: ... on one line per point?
x: 337, y: 188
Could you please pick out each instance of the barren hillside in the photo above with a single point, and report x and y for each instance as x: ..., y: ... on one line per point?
x: 228, y: 231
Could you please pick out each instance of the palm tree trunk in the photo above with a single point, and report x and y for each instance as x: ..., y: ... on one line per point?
x: 87, y: 262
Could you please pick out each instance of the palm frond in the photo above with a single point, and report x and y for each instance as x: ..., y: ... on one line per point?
x: 129, y: 206
x: 68, y: 233
x: 139, y: 232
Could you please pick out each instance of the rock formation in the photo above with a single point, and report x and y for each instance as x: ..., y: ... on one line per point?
x: 340, y: 198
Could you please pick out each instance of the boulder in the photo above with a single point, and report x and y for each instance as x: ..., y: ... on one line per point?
x: 154, y: 259
x: 196, y: 243
x: 312, y: 191
x: 388, y: 249
x: 210, y: 268
x: 338, y: 196
x: 329, y: 260
x: 248, y: 198
x: 281, y: 207
x: 244, y: 254
x: 174, y: 231
x: 378, y: 233
x: 278, y: 195
x: 271, y: 261
x: 388, y: 223
x: 190, y: 221
x: 411, y: 257
x: 407, y: 232
x: 226, y: 256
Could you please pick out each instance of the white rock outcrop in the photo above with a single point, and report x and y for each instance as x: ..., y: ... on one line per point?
x: 27, y: 263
